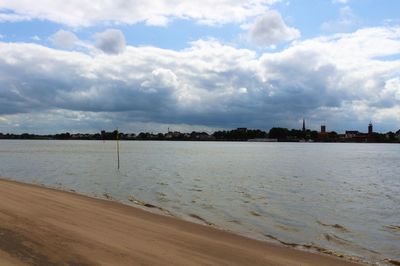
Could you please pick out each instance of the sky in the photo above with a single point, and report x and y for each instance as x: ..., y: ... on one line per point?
x: 139, y: 65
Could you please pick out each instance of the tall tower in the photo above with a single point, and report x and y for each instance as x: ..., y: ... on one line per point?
x: 323, y: 129
x: 304, y: 125
x: 370, y: 129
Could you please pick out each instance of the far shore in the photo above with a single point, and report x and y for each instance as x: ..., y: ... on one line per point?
x: 45, y: 226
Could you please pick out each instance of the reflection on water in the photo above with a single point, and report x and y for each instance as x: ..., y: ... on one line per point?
x: 329, y: 197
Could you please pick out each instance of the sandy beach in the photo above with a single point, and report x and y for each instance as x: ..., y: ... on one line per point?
x: 43, y: 226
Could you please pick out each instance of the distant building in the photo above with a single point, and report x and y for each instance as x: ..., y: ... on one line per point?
x: 355, y: 136
x: 323, y: 129
x: 389, y: 136
x: 370, y: 129
x: 322, y: 135
x: 370, y: 136
x: 171, y: 135
x: 351, y: 134
x: 304, y: 125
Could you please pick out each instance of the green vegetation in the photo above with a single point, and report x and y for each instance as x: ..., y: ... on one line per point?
x: 239, y: 134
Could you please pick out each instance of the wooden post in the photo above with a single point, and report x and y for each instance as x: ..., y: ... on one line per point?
x: 118, y: 148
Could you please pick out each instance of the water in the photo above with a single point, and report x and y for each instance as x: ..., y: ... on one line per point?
x: 339, y: 197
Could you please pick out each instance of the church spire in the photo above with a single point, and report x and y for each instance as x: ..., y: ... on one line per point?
x: 304, y: 125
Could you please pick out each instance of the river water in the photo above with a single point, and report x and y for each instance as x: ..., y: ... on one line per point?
x: 342, y: 198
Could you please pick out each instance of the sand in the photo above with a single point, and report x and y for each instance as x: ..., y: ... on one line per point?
x: 43, y: 226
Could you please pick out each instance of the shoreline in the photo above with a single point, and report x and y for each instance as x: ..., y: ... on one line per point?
x: 200, y: 141
x: 41, y: 225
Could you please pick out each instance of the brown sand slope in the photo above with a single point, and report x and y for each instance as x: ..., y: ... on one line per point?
x: 41, y: 226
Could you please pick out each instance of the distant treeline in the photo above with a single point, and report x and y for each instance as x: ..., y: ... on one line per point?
x: 239, y: 134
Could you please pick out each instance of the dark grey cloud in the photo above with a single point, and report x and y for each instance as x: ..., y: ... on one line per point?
x: 111, y: 41
x: 308, y: 82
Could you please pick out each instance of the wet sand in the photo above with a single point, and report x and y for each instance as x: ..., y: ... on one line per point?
x: 43, y: 226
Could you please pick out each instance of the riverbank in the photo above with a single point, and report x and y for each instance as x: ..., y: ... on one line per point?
x: 43, y: 226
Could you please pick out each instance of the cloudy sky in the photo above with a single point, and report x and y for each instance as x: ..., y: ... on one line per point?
x: 84, y: 66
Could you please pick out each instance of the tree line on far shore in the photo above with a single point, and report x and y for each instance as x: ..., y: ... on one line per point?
x: 239, y: 134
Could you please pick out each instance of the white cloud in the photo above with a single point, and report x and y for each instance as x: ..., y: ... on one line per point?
x: 340, y: 1
x: 391, y: 91
x: 270, y: 29
x: 111, y: 41
x: 161, y: 78
x: 64, y: 39
x: 77, y: 13
x: 341, y: 79
x: 157, y: 21
x: 10, y: 17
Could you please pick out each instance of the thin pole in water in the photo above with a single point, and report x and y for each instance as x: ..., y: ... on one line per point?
x: 118, y: 147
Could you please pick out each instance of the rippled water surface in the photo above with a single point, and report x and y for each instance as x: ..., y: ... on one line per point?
x: 339, y: 197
